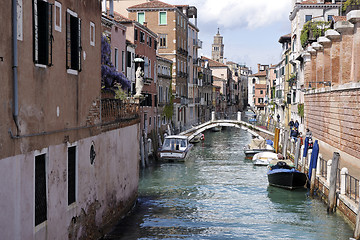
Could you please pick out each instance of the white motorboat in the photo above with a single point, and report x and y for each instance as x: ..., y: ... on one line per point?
x: 264, y: 158
x: 175, y: 148
x: 257, y: 145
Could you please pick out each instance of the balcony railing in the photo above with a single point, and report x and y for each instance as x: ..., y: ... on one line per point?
x: 115, y: 110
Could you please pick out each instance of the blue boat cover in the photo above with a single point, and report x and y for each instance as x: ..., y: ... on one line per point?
x: 269, y: 142
x: 282, y: 170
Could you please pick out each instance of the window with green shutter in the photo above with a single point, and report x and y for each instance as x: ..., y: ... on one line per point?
x: 162, y: 16
x: 141, y: 17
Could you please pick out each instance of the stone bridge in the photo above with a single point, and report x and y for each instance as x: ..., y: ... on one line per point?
x: 254, y: 130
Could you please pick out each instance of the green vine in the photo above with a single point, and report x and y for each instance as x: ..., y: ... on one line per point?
x: 301, y: 109
x: 169, y: 108
x: 350, y: 3
x: 317, y: 29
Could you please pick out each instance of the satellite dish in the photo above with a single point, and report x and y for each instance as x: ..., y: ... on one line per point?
x: 139, y: 60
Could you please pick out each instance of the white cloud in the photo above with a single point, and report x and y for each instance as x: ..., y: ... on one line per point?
x: 240, y: 13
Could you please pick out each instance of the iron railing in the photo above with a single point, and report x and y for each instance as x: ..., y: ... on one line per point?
x: 352, y: 188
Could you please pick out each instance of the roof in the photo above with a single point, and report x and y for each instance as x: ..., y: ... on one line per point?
x: 339, y: 18
x: 213, y: 63
x: 152, y: 4
x: 285, y: 38
x: 309, y: 2
x: 259, y: 74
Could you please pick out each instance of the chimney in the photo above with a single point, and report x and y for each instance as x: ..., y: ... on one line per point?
x: 145, y: 24
x: 258, y: 67
x: 111, y: 8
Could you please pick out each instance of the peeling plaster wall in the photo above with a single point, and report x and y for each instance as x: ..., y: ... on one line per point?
x: 106, y: 190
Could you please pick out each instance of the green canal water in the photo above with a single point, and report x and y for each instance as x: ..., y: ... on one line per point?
x: 218, y: 194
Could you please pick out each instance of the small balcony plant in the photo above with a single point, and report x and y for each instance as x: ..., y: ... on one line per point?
x: 312, y: 31
x: 350, y: 5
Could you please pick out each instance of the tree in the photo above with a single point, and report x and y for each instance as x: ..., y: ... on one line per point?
x: 110, y: 78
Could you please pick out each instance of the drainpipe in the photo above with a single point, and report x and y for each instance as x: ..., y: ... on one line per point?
x: 15, y: 64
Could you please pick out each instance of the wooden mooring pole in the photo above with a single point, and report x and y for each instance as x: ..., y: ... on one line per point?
x: 297, y: 153
x: 332, y: 189
x: 286, y: 139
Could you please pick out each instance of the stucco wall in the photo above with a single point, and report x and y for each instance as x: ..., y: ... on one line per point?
x: 104, y: 190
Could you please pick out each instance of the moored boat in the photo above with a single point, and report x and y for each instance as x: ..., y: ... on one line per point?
x: 282, y: 173
x: 264, y: 158
x: 198, y: 138
x: 257, y: 145
x: 175, y: 148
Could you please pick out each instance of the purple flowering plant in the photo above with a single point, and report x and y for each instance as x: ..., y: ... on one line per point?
x: 110, y: 78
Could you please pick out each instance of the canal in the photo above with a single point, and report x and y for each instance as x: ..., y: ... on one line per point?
x: 218, y: 194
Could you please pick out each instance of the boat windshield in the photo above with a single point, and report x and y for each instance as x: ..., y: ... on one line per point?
x: 174, y: 144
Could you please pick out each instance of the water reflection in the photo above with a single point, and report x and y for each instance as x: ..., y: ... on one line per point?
x: 217, y: 194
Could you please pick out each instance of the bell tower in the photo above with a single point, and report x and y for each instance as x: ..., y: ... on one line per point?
x: 217, y: 51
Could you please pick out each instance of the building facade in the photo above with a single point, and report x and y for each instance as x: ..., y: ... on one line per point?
x: 58, y: 181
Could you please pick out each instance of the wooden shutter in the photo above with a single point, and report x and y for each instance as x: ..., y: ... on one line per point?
x: 79, y: 44
x: 68, y: 41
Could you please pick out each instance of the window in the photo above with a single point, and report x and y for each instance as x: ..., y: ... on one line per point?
x: 141, y: 17
x: 149, y: 68
x: 261, y: 91
x: 73, y: 41
x: 163, y: 41
x: 162, y: 18
x: 330, y: 18
x: 122, y: 61
x: 128, y: 61
x: 57, y: 16
x: 142, y: 37
x: 150, y: 41
x: 40, y: 189
x: 149, y: 121
x: 116, y: 59
x: 42, y: 32
x: 71, y: 175
x: 92, y: 34
x: 135, y: 34
x: 308, y: 18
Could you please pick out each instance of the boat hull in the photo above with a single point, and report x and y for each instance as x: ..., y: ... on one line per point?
x: 287, y: 178
x: 249, y: 153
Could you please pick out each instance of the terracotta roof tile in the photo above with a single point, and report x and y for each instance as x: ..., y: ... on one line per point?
x: 213, y: 63
x: 309, y: 2
x: 152, y: 4
x: 339, y: 18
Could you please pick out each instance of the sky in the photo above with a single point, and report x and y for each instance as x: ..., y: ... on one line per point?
x: 251, y: 28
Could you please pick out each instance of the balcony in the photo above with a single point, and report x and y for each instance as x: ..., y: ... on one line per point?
x: 182, y: 52
x: 116, y: 110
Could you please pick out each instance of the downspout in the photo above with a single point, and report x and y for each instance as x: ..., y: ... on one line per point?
x: 15, y: 64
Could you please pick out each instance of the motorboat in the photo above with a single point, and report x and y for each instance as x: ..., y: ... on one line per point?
x: 264, y: 158
x: 257, y: 145
x: 175, y: 148
x: 283, y: 174
x: 198, y: 138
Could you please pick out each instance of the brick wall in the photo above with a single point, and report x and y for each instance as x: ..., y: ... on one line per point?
x: 334, y: 118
